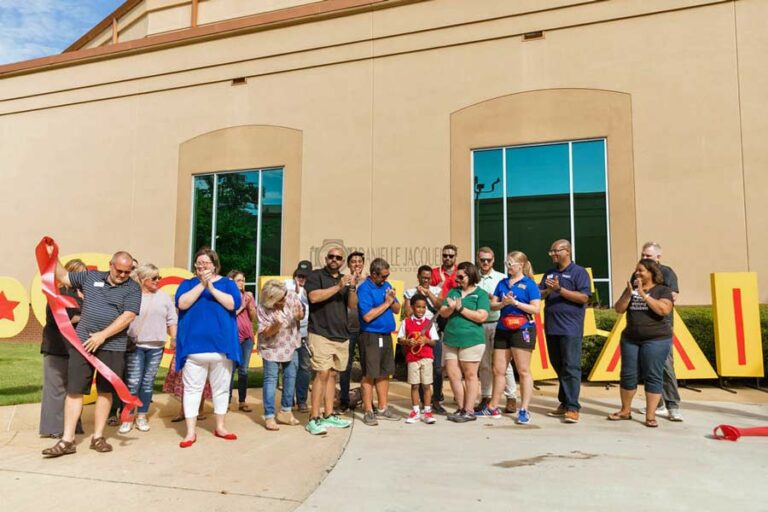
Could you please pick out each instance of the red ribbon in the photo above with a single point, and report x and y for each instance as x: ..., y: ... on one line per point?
x: 47, y: 265
x: 731, y: 433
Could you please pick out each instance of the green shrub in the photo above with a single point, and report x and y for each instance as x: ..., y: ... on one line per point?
x: 698, y: 319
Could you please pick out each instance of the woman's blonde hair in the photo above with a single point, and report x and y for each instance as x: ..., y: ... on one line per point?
x: 145, y: 271
x: 273, y: 292
x: 520, y: 257
x: 75, y: 265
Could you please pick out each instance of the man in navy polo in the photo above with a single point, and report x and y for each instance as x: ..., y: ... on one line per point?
x: 566, y: 289
x: 377, y: 306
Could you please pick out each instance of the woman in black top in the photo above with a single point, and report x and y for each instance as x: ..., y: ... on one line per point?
x: 55, y: 360
x: 647, y: 339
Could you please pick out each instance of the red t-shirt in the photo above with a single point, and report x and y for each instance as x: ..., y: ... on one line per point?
x: 441, y: 277
x: 412, y: 325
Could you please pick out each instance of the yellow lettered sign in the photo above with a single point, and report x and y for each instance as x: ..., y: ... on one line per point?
x: 738, y: 343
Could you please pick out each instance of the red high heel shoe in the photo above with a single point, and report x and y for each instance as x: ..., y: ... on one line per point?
x: 187, y: 444
x: 228, y: 437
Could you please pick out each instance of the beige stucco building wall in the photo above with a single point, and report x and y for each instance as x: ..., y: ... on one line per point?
x: 90, y: 150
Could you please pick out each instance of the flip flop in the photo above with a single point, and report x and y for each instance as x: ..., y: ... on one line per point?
x: 177, y: 419
x: 619, y: 417
x: 651, y: 423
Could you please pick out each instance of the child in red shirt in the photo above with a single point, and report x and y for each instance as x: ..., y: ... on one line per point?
x: 419, y: 335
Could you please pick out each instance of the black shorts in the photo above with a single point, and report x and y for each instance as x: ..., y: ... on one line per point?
x: 80, y: 371
x: 377, y: 359
x: 515, y: 339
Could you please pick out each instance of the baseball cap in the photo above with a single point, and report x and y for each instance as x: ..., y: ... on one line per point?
x: 303, y: 268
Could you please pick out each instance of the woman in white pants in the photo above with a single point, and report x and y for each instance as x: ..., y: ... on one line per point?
x: 207, y: 344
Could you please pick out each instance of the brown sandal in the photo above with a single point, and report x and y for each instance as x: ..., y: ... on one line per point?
x: 619, y: 417
x: 244, y: 407
x: 100, y: 445
x: 651, y: 423
x: 62, y: 447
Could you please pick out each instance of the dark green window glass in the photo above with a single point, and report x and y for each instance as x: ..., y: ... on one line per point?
x: 202, y: 206
x: 271, y: 221
x: 488, y: 166
x: 237, y: 221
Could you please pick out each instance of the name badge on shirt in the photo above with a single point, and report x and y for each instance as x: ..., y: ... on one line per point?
x: 98, y: 284
x: 521, y: 286
x: 381, y: 342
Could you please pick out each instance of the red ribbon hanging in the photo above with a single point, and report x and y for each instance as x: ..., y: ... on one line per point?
x: 47, y: 265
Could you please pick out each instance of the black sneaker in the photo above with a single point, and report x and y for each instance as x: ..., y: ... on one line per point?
x: 456, y: 416
x: 483, y: 403
x: 468, y: 416
x: 437, y: 408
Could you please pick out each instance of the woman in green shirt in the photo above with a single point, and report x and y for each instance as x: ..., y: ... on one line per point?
x: 466, y: 307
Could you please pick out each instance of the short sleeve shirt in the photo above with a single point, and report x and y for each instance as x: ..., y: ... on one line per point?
x: 370, y: 296
x: 488, y: 283
x: 103, y: 303
x: 443, y: 280
x: 418, y: 325
x: 642, y: 323
x: 670, y: 281
x: 53, y: 341
x: 431, y: 308
x: 525, y: 290
x: 561, y: 316
x: 329, y: 317
x: 281, y: 346
x: 460, y: 331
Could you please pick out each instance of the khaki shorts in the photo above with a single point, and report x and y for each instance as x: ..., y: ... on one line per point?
x: 420, y: 372
x: 473, y: 354
x: 328, y: 354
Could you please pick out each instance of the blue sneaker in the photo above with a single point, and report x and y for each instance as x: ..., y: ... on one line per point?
x: 523, y: 417
x: 487, y: 412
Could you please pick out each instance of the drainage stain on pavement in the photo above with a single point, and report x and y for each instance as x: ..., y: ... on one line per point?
x: 532, y: 461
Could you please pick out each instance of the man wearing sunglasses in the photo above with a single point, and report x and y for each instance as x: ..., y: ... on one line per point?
x: 111, y: 302
x: 330, y: 294
x: 444, y: 276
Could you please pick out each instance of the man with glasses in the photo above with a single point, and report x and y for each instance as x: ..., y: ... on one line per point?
x: 489, y: 279
x: 670, y: 403
x: 111, y: 301
x: 330, y: 294
x: 444, y: 276
x: 377, y: 307
x: 355, y: 264
x: 566, y: 289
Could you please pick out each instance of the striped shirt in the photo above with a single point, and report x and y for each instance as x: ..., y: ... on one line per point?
x: 103, y: 303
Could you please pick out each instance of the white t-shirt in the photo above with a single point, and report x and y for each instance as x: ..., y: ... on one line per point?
x: 432, y: 334
x: 435, y: 290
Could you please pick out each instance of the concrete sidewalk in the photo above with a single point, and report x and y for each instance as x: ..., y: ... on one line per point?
x: 261, y: 470
x: 595, y: 465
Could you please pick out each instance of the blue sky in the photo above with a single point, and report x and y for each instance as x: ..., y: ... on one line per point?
x: 37, y: 28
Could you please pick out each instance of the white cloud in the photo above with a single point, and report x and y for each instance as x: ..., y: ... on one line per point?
x: 37, y: 28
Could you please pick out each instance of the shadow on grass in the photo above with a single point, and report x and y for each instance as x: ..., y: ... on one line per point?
x: 20, y: 390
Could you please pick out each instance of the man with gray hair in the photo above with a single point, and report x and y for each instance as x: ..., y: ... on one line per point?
x: 377, y: 306
x: 670, y: 403
x: 111, y: 301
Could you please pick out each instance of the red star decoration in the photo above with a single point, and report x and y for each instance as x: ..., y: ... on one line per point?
x: 7, y: 307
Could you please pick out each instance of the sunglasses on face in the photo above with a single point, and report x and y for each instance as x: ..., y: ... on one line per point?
x: 156, y: 278
x: 448, y: 256
x: 486, y: 260
x: 555, y: 251
x: 335, y: 257
x: 460, y: 277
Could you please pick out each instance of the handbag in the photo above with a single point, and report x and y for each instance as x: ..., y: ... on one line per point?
x: 514, y: 322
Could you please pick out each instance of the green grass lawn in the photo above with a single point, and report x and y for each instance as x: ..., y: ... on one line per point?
x: 21, y: 374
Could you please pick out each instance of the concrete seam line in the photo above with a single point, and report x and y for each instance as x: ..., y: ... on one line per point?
x: 139, y: 484
x: 10, y: 420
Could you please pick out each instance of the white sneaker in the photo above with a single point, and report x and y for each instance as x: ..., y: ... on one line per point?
x: 125, y: 427
x: 413, y: 417
x: 661, y: 411
x: 142, y: 424
x: 675, y: 415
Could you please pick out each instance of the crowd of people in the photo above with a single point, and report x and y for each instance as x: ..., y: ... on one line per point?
x: 466, y: 319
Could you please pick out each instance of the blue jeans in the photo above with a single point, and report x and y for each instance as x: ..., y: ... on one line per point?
x: 303, y: 373
x: 140, y: 372
x: 565, y: 356
x: 644, y: 359
x: 246, y: 347
x: 270, y: 384
x: 346, y: 375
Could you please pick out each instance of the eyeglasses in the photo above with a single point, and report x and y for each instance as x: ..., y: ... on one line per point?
x: 513, y: 263
x: 156, y: 278
x: 486, y: 260
x: 460, y: 277
x: 448, y: 256
x: 336, y: 257
x: 203, y: 264
x: 555, y: 251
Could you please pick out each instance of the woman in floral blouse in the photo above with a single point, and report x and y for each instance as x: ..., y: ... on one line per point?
x: 279, y: 313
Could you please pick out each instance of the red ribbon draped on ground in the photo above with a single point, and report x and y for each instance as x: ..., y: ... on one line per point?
x: 731, y: 433
x: 58, y: 303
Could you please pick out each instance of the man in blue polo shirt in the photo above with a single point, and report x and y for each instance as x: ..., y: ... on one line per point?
x: 377, y: 306
x: 566, y: 289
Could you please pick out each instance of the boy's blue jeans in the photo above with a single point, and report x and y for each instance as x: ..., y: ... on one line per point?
x: 140, y: 372
x: 270, y: 384
x: 644, y: 359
